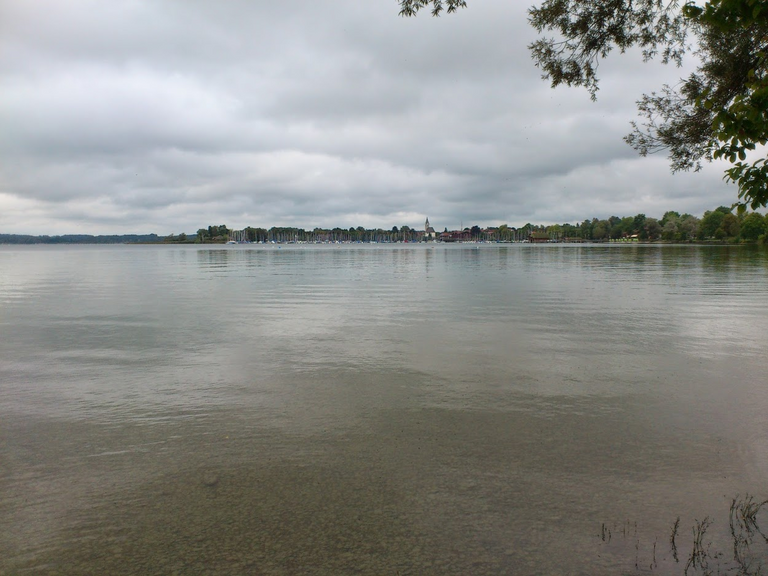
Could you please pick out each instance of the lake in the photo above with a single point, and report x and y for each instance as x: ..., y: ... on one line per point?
x: 380, y: 409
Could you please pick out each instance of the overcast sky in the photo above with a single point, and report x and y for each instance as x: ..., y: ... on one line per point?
x: 167, y: 116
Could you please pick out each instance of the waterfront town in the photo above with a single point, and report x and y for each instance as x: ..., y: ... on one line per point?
x: 719, y: 225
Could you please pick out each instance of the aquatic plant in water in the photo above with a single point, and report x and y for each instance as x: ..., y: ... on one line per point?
x: 697, y: 553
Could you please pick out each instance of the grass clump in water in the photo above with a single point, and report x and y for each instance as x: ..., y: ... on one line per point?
x: 749, y: 556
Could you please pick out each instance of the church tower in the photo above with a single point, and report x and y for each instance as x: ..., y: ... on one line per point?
x: 429, y: 232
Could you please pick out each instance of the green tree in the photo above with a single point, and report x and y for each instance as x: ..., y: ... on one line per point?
x: 651, y: 229
x: 687, y: 227
x: 600, y: 230
x: 570, y: 231
x: 710, y: 223
x: 670, y: 214
x: 638, y: 223
x: 753, y: 226
x: 260, y: 235
x: 412, y: 7
x: 586, y: 229
x: 628, y: 226
x: 730, y: 225
x: 218, y: 233
x: 719, y: 111
x: 669, y: 230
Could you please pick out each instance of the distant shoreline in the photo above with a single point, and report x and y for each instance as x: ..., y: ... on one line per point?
x: 135, y: 239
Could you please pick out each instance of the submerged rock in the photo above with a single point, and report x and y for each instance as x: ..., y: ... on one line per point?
x: 210, y: 478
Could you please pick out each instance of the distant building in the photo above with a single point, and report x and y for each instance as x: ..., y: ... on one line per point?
x: 429, y: 232
x: 455, y: 236
x: 537, y: 236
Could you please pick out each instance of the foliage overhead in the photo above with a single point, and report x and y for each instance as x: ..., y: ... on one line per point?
x: 411, y: 7
x: 720, y: 111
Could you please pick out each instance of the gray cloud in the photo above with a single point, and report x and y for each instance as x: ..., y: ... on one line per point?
x: 171, y: 115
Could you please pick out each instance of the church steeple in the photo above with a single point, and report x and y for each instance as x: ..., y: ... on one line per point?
x: 429, y: 232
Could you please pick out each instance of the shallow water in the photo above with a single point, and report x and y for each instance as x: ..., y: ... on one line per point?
x: 395, y: 409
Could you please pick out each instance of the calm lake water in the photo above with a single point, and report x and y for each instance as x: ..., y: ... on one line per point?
x: 343, y: 409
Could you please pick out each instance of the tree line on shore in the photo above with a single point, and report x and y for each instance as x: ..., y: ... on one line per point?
x: 719, y: 225
x: 80, y: 239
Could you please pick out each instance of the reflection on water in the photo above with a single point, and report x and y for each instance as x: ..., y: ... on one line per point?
x: 376, y: 409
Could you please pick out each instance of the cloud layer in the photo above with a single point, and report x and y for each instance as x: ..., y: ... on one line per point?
x: 170, y: 115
